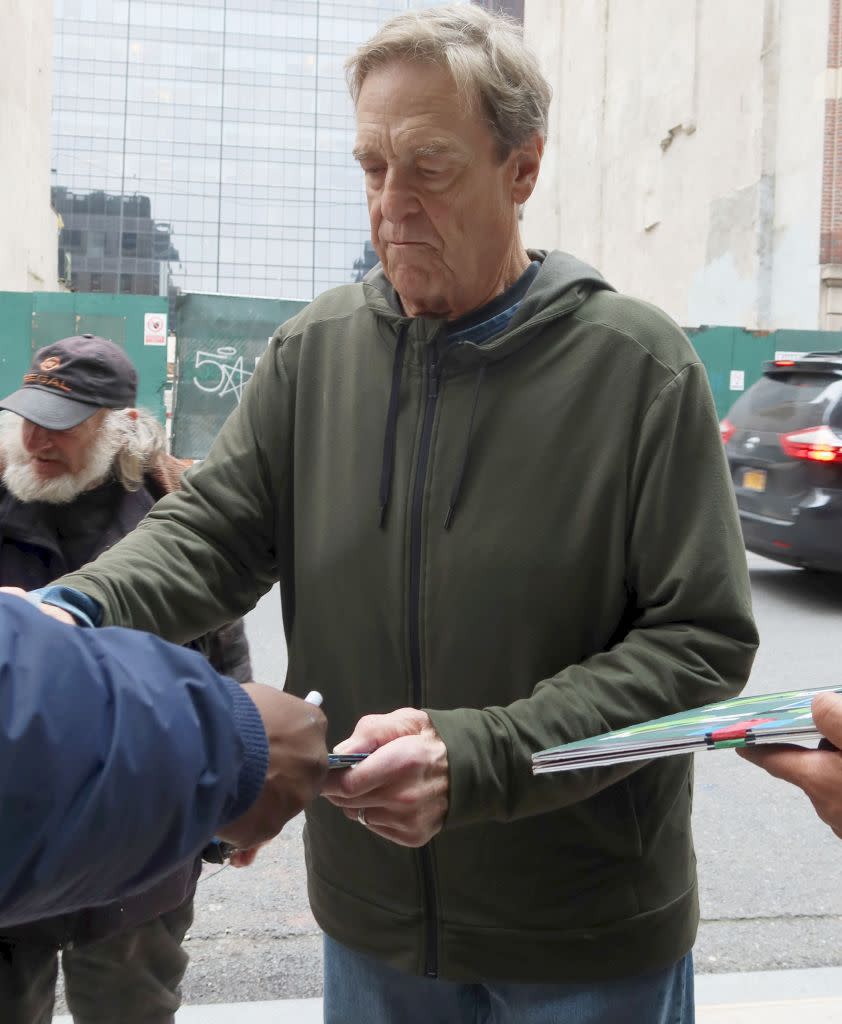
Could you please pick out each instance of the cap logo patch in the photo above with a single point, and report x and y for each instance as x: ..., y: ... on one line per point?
x: 45, y: 380
x: 50, y: 363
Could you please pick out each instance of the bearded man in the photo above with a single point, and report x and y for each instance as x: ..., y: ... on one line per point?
x: 80, y: 468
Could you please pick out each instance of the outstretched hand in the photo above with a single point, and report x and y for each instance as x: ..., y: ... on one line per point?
x: 297, y: 767
x: 817, y: 772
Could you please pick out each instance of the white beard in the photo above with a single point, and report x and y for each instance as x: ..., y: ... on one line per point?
x: 22, y: 480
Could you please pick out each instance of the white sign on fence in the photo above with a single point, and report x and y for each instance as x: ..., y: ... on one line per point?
x: 154, y: 328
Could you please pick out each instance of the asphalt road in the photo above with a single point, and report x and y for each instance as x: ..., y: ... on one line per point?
x: 770, y: 871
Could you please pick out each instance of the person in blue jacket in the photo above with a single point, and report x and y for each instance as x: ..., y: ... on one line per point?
x: 81, y: 466
x: 121, y: 755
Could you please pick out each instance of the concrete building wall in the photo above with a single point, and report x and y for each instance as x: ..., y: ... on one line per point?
x: 28, y: 226
x: 831, y: 239
x: 685, y: 151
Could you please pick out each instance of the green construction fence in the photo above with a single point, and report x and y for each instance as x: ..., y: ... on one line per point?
x: 30, y: 320
x: 220, y: 338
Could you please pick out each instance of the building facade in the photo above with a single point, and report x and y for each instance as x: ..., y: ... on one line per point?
x: 229, y: 122
x: 112, y: 244
x: 695, y: 153
x: 28, y: 226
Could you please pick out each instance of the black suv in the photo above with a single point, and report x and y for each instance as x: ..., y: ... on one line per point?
x: 783, y: 439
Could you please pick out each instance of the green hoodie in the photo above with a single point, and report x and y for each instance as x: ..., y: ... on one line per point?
x: 535, y: 540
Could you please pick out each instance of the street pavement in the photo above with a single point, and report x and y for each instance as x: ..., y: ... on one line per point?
x: 781, y: 997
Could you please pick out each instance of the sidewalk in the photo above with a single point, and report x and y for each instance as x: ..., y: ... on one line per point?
x: 765, y: 997
x: 770, y: 997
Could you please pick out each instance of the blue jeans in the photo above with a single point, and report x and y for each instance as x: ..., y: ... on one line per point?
x: 362, y: 990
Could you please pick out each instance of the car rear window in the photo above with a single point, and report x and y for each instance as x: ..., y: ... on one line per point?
x: 790, y: 401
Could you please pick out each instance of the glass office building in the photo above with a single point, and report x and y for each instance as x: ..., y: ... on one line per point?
x: 204, y: 145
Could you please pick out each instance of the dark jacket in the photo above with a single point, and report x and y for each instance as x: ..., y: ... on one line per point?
x: 40, y: 541
x: 120, y: 755
x: 535, y: 539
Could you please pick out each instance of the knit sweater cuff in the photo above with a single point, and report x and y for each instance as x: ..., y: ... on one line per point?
x: 255, y: 763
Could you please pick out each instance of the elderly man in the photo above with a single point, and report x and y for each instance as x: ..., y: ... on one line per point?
x: 80, y: 468
x: 495, y: 497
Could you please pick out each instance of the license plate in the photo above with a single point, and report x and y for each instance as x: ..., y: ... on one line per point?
x: 754, y: 479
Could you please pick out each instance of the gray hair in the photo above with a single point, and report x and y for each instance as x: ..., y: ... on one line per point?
x: 484, y: 54
x: 141, y: 441
x: 128, y: 444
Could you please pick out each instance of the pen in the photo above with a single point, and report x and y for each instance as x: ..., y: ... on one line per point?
x: 334, y: 760
x: 217, y: 851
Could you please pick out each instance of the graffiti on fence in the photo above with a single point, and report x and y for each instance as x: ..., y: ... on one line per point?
x: 223, y: 372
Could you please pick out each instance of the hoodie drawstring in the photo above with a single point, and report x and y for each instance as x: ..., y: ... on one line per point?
x: 390, y: 436
x: 457, y: 486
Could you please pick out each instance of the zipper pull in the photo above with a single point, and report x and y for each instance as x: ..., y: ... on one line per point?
x: 433, y: 393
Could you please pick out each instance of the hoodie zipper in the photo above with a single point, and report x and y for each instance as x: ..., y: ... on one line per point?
x: 427, y: 876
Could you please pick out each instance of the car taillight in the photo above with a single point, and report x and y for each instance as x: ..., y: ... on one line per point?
x: 817, y: 444
x: 726, y: 429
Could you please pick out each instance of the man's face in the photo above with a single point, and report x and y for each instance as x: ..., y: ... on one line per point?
x: 54, y: 453
x: 443, y: 206
x: 56, y: 466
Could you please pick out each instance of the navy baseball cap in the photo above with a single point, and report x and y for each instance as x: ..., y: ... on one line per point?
x: 72, y: 379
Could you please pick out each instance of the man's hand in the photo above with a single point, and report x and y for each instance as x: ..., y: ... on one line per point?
x: 402, y: 786
x: 244, y: 858
x: 817, y: 772
x: 297, y: 766
x: 47, y: 609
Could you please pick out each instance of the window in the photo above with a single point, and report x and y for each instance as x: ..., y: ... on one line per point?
x: 71, y: 239
x: 96, y: 243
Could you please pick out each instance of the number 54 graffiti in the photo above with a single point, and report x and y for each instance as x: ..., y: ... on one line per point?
x: 232, y: 378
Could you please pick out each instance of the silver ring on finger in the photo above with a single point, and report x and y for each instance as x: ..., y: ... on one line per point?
x: 361, y: 816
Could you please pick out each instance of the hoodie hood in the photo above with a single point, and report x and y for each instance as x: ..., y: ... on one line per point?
x: 561, y: 286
